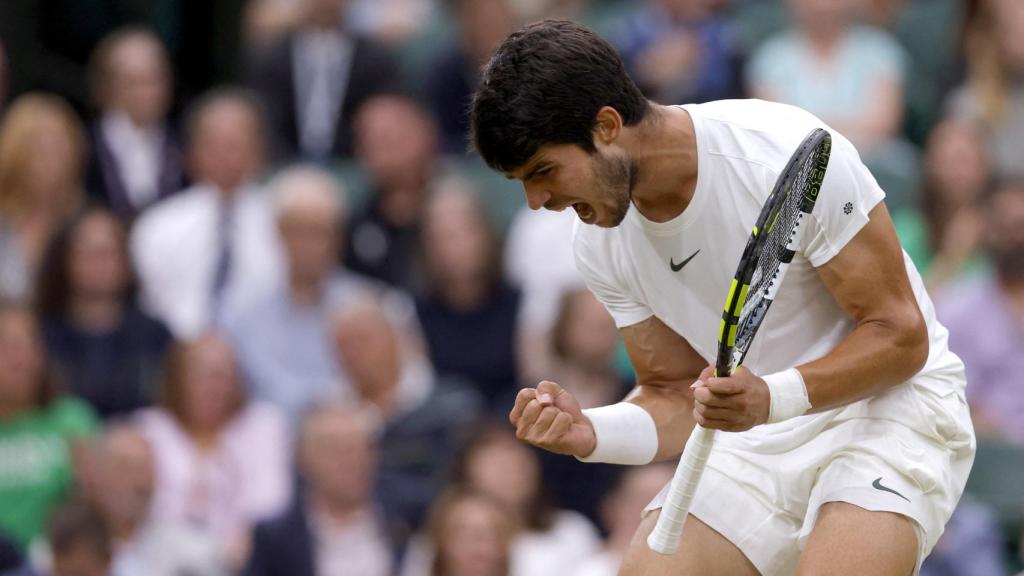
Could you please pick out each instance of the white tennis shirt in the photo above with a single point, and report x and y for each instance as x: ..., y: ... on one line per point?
x: 742, y: 147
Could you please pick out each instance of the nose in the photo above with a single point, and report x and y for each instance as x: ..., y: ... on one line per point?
x: 535, y: 197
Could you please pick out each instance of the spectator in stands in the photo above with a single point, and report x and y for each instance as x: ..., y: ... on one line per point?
x: 48, y: 43
x: 540, y: 261
x: 334, y: 528
x: 991, y: 93
x: 283, y: 341
x: 222, y: 463
x: 468, y: 312
x: 210, y: 250
x: 482, y: 25
x: 584, y: 340
x: 42, y: 151
x: 121, y: 473
x: 316, y: 77
x: 38, y: 429
x: 472, y: 534
x: 850, y: 76
x: 621, y: 511
x: 136, y: 157
x: 424, y: 418
x: 396, y: 142
x: 984, y: 316
x: 105, y: 350
x: 393, y: 22
x: 3, y: 77
x: 552, y: 541
x: 267, y: 22
x: 943, y: 233
x: 681, y: 51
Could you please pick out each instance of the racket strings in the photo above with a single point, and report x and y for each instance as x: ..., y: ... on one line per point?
x: 776, y: 252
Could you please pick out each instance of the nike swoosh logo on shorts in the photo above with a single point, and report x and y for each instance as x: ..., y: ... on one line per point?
x: 878, y: 485
x: 677, y: 267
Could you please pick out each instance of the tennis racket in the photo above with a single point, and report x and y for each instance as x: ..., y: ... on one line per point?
x: 766, y: 257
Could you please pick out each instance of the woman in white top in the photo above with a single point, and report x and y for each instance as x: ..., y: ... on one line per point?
x: 551, y: 541
x: 222, y: 463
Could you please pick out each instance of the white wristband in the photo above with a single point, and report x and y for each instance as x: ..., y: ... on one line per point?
x: 626, y: 434
x: 788, y: 395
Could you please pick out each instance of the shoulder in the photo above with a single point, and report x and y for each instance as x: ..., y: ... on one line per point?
x: 161, y: 428
x: 191, y: 198
x: 262, y: 419
x: 754, y: 114
x: 571, y: 533
x: 141, y: 325
x: 752, y: 130
x: 73, y: 416
x: 869, y: 37
x: 171, y: 212
x: 593, y: 242
x: 781, y: 46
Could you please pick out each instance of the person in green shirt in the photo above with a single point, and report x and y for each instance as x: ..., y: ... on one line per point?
x: 38, y: 429
x: 942, y: 233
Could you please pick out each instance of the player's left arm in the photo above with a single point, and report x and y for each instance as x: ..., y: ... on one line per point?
x: 868, y: 279
x: 889, y: 344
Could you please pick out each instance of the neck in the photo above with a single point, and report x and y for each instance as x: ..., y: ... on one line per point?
x: 305, y: 291
x: 463, y: 293
x: 823, y: 40
x: 123, y: 529
x: 340, y: 510
x: 205, y: 436
x: 665, y: 152
x: 385, y: 400
x: 96, y: 314
x: 9, y: 410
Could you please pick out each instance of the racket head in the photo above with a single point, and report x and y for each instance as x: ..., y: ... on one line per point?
x: 770, y: 248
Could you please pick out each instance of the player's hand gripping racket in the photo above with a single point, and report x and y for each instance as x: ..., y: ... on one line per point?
x: 766, y: 256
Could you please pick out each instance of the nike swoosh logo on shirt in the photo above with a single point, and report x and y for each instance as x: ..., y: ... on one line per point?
x: 878, y: 484
x: 677, y: 267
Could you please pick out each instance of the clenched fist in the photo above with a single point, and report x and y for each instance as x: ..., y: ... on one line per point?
x: 550, y: 418
x: 733, y: 404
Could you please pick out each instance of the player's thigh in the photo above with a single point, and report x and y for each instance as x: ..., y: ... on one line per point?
x: 848, y: 539
x: 702, y: 552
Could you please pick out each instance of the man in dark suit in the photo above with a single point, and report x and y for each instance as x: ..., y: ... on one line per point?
x: 314, y: 80
x: 333, y: 527
x: 136, y: 157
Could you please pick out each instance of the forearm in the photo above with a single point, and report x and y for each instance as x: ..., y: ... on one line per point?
x: 876, y: 356
x: 671, y: 408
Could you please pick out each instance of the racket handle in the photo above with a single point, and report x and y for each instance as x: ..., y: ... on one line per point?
x: 664, y: 539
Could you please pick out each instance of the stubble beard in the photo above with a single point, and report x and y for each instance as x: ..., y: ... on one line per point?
x: 617, y: 178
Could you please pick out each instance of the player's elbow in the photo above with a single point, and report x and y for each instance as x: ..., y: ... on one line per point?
x: 911, y: 341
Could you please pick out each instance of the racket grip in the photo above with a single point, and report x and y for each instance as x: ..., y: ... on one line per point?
x: 664, y: 539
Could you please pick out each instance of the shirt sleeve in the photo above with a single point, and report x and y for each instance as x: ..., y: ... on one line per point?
x: 596, y: 268
x: 848, y: 193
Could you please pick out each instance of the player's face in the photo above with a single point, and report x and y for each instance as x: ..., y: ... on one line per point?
x: 597, y: 186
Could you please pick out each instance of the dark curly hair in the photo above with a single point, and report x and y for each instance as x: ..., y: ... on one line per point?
x: 545, y: 85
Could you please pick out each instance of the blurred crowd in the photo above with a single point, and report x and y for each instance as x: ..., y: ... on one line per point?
x: 263, y: 312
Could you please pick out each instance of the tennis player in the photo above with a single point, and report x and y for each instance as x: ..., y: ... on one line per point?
x: 850, y: 440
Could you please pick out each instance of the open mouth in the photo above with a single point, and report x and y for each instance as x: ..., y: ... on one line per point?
x: 583, y: 210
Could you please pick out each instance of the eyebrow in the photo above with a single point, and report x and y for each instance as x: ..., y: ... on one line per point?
x: 541, y: 165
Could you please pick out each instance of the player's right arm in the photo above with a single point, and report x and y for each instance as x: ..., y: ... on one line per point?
x: 666, y: 365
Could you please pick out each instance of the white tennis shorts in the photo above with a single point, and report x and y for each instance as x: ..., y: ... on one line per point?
x: 907, y: 451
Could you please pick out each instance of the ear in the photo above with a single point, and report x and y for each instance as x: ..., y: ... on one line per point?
x: 608, y: 125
